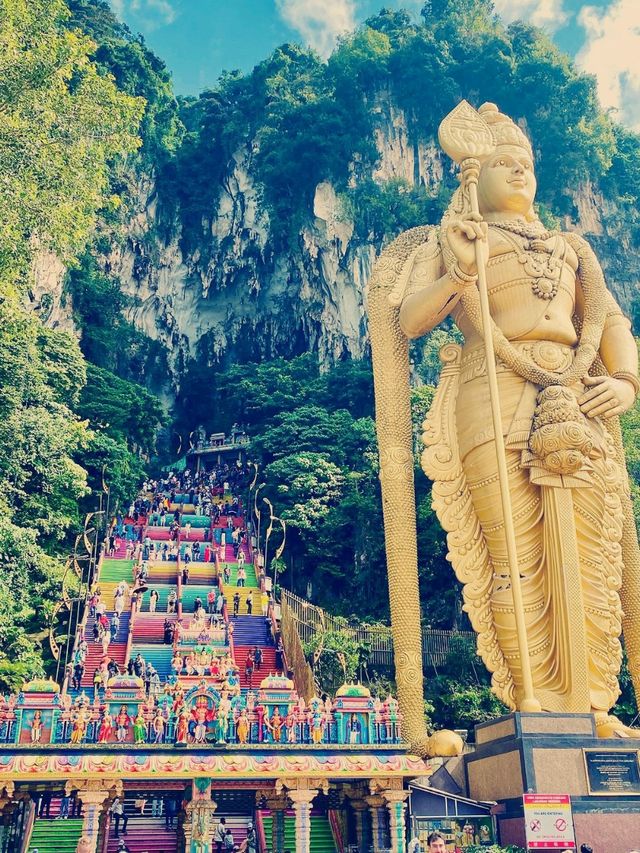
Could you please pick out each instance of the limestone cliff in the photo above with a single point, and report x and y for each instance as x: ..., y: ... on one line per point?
x: 240, y: 295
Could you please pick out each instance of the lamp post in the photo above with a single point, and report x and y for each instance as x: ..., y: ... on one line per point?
x: 258, y: 514
x: 280, y: 548
x: 252, y: 484
x: 268, y: 533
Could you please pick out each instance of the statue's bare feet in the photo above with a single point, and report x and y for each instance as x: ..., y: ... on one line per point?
x: 609, y: 726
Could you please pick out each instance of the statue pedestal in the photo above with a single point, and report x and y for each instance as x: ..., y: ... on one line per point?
x: 558, y: 754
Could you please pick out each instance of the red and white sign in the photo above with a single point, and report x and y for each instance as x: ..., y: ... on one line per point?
x: 549, y: 822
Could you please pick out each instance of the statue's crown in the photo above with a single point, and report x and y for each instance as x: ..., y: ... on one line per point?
x: 503, y: 129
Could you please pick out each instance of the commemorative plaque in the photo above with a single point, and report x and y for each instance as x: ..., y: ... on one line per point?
x: 612, y: 772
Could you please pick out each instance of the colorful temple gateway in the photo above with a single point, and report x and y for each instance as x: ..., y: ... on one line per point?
x: 179, y: 716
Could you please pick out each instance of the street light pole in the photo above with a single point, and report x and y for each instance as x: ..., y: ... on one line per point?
x: 258, y: 514
x: 268, y: 533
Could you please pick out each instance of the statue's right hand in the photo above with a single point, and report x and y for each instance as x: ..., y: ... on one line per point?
x: 462, y: 235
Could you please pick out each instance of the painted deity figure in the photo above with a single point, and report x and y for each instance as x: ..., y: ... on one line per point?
x: 36, y: 727
x: 567, y: 366
x: 106, y: 728
x: 291, y: 726
x: 158, y: 726
x: 79, y: 726
x: 139, y: 728
x: 275, y: 725
x: 182, y: 726
x: 123, y: 721
x: 317, y: 725
x: 242, y: 727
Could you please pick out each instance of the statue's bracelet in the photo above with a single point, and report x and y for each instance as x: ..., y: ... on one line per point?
x: 459, y: 277
x: 629, y: 377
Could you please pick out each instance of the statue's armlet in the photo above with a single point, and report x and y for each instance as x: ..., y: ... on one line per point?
x: 613, y: 313
x: 423, y: 266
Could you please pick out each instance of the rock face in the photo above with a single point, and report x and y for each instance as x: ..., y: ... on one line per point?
x: 239, y: 296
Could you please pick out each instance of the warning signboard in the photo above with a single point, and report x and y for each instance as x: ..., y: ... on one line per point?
x: 549, y: 822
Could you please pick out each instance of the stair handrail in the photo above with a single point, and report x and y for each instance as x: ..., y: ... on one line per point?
x: 28, y: 826
x: 336, y: 830
x: 303, y: 676
x: 178, y: 577
x: 262, y: 838
x: 82, y: 624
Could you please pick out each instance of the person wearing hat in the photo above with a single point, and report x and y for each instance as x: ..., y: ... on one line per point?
x: 252, y: 839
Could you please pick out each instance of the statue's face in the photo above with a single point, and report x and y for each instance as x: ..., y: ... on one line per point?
x: 507, y: 183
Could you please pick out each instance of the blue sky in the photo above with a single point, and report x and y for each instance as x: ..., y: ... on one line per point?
x: 198, y: 39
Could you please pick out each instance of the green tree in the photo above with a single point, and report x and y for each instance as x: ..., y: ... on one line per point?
x: 57, y: 110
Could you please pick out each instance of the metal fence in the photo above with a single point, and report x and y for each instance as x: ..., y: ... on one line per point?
x: 311, y: 620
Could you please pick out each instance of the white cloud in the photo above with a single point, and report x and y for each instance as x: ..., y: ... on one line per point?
x: 548, y: 14
x: 154, y: 12
x: 319, y: 22
x: 612, y: 52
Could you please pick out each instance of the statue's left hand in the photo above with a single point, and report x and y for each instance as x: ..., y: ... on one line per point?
x: 606, y: 396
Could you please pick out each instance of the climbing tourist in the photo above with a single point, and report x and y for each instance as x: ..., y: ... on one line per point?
x: 153, y: 601
x: 229, y: 843
x: 65, y: 802
x: 280, y: 656
x: 185, y: 575
x: 118, y: 815
x: 226, y: 574
x: 249, y: 602
x: 171, y: 601
x: 187, y: 529
x: 248, y: 669
x: 168, y: 631
x: 78, y: 672
x: 236, y: 604
x: 97, y: 681
x: 211, y: 601
x: 139, y: 665
x: 257, y: 657
x: 106, y: 639
x: 219, y: 835
x: 252, y: 839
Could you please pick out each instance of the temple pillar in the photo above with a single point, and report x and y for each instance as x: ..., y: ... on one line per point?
x: 360, y: 815
x: 378, y: 814
x: 93, y: 795
x: 302, y: 799
x: 277, y: 805
x: 397, y: 808
x: 198, y: 828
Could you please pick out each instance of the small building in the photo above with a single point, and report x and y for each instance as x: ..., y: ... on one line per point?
x: 463, y: 823
x: 218, y: 448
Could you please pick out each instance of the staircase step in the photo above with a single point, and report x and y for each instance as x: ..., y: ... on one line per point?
x: 145, y: 834
x: 55, y: 836
x: 156, y: 654
x: 114, y: 570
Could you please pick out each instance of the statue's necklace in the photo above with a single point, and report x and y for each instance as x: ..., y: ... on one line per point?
x: 541, y: 264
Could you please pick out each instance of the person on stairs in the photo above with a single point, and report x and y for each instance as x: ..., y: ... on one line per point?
x: 249, y: 603
x: 219, y: 835
x: 236, y: 604
x: 118, y: 815
x: 252, y: 839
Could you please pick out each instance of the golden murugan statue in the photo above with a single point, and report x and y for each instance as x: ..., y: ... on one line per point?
x: 566, y: 365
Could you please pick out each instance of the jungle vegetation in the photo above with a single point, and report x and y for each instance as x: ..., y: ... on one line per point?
x: 88, y: 109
